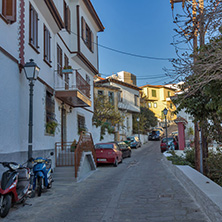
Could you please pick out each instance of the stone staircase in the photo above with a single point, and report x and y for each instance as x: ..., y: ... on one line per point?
x: 64, y: 175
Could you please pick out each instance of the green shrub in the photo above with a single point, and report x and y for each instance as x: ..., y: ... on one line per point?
x: 177, y: 160
x: 214, y: 166
x: 190, y: 157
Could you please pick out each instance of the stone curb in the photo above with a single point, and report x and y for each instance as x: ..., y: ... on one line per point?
x: 205, y: 192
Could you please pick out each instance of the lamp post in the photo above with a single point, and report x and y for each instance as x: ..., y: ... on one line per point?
x: 138, y: 119
x: 165, y: 111
x: 31, y: 72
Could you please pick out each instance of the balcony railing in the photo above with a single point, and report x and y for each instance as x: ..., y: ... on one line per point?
x: 73, y: 81
x: 82, y: 85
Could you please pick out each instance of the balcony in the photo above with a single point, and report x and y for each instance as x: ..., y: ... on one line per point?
x: 72, y: 89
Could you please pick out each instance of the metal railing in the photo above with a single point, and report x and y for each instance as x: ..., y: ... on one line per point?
x: 72, y: 82
x: 85, y: 144
x: 64, y: 154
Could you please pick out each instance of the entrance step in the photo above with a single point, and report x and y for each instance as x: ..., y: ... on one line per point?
x: 64, y: 174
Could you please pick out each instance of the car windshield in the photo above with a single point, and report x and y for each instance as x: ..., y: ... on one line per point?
x: 104, y: 146
x: 169, y: 140
x: 130, y: 138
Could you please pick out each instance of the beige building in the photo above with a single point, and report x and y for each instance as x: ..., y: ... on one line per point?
x: 156, y: 98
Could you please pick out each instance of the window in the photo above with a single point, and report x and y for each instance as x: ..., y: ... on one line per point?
x: 155, y: 105
x: 171, y: 106
x: 150, y: 105
x: 87, y: 79
x: 81, y: 123
x: 47, y: 46
x: 111, y: 97
x: 153, y: 93
x: 50, y: 111
x: 67, y: 20
x: 33, y: 28
x: 9, y: 10
x: 168, y: 93
x: 120, y: 96
x: 87, y: 35
x: 136, y: 98
x: 100, y: 92
x: 59, y: 60
x: 66, y: 64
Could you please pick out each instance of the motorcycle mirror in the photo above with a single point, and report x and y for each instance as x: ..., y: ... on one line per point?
x: 51, y: 153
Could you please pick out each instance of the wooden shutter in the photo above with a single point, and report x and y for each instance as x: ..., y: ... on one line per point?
x: 9, y: 10
x: 83, y: 29
x: 92, y: 42
x: 68, y: 20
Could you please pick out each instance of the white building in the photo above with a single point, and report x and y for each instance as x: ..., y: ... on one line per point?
x: 128, y: 103
x: 56, y: 34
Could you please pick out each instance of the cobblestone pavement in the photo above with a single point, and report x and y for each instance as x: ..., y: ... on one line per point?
x: 141, y: 189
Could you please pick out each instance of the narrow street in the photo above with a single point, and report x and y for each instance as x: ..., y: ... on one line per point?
x: 140, y: 189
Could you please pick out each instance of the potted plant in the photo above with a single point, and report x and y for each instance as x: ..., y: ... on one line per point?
x: 67, y: 69
x: 51, y: 127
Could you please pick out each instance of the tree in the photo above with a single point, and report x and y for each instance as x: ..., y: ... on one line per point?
x: 199, y: 67
x: 147, y: 119
x: 105, y: 115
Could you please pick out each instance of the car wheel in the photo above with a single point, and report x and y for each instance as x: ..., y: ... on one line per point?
x: 115, y: 163
x: 121, y: 160
x: 129, y: 154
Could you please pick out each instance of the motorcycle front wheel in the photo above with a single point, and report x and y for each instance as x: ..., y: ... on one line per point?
x: 6, y: 205
x: 39, y: 187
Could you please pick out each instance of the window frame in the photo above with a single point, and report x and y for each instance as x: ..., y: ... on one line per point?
x: 81, y: 122
x: 33, y: 28
x: 67, y: 18
x: 47, y: 45
x: 9, y: 6
x: 59, y: 60
x: 87, y: 35
x: 49, y: 109
x: 153, y: 93
x: 111, y: 98
x: 102, y: 91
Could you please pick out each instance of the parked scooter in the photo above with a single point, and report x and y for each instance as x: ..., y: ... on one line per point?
x: 42, y: 174
x: 15, y: 185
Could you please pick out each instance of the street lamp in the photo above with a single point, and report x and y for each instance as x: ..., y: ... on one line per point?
x: 138, y: 119
x: 31, y: 72
x: 165, y: 111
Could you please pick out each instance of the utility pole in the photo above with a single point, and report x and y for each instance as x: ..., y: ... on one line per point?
x: 198, y: 153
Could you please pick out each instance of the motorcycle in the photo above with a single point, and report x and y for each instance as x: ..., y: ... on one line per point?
x: 15, y: 185
x: 42, y: 174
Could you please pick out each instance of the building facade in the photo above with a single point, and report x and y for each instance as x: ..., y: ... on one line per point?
x: 60, y: 36
x: 128, y: 103
x: 156, y: 98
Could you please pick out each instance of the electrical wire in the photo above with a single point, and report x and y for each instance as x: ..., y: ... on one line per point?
x: 125, y: 53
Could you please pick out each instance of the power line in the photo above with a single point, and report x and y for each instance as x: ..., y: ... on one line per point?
x: 154, y: 76
x: 126, y: 53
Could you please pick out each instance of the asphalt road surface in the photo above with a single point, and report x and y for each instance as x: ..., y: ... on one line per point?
x: 141, y: 189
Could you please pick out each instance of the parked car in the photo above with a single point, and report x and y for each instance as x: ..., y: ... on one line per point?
x: 108, y: 153
x: 155, y: 135
x: 159, y: 128
x: 134, y: 141
x: 125, y: 148
x: 172, y: 144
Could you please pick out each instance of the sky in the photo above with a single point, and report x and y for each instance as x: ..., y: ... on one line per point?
x: 142, y: 27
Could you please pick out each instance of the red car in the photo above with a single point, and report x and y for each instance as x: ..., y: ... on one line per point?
x: 108, y: 153
x: 172, y: 144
